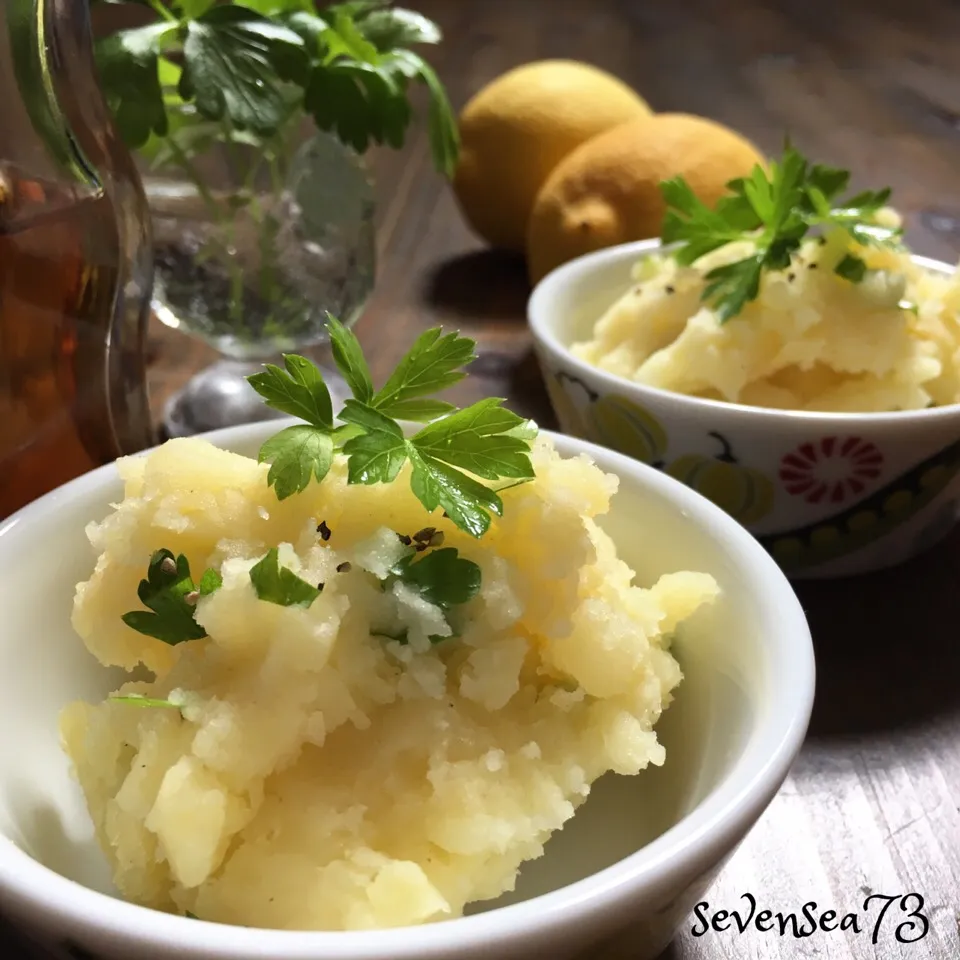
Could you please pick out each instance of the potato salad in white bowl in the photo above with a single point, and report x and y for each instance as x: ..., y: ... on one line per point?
x: 351, y: 688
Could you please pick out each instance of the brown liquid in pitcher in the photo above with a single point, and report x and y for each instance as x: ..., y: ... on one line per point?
x: 58, y: 269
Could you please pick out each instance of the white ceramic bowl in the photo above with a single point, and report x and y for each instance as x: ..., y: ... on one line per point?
x: 828, y: 494
x: 630, y: 867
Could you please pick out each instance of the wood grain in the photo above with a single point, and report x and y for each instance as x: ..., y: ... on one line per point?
x: 872, y: 804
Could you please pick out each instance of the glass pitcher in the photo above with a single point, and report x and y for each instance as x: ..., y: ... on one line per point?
x: 75, y: 260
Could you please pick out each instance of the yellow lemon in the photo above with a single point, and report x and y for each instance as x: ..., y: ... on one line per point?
x: 518, y: 128
x: 607, y: 191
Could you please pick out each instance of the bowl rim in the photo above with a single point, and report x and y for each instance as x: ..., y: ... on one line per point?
x: 542, y: 321
x: 705, y: 835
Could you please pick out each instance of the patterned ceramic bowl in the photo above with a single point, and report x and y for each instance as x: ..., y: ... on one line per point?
x: 828, y: 494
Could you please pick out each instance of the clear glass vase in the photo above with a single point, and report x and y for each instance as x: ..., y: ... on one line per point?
x: 254, y: 244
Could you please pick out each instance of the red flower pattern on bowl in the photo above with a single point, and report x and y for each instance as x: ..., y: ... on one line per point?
x: 831, y: 469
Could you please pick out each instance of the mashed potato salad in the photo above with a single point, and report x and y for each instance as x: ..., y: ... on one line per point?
x: 378, y: 684
x: 747, y: 309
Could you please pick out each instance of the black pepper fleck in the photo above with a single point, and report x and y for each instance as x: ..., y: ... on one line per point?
x: 320, y: 587
x: 343, y: 567
x: 791, y: 277
x: 425, y: 535
x: 404, y: 539
x: 811, y: 266
x: 670, y: 289
x: 323, y: 530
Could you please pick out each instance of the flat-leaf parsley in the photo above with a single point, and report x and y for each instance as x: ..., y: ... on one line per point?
x: 449, y: 456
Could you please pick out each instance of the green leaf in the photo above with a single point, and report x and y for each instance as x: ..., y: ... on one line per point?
x: 396, y: 27
x: 378, y: 455
x: 851, y: 268
x: 358, y: 102
x: 442, y: 577
x: 235, y: 63
x: 828, y: 181
x: 432, y: 364
x: 309, y: 27
x: 277, y: 584
x: 466, y: 501
x: 137, y: 700
x: 299, y: 391
x: 191, y: 9
x: 344, y: 39
x: 209, y: 582
x: 733, y: 285
x: 478, y: 439
x: 420, y: 410
x: 691, y: 222
x: 349, y: 359
x: 127, y: 63
x: 296, y: 455
x: 869, y: 200
x: 164, y: 592
x: 874, y: 235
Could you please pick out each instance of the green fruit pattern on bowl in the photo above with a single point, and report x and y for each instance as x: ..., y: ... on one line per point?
x: 746, y: 494
x: 626, y: 427
x: 866, y: 520
x: 568, y: 414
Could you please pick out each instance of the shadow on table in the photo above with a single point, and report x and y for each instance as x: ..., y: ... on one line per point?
x: 485, y: 284
x: 887, y: 645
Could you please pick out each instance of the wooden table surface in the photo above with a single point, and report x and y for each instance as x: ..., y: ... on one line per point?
x: 871, y: 807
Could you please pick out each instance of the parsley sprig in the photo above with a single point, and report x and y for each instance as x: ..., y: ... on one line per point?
x: 243, y: 71
x: 775, y: 211
x: 442, y: 577
x: 449, y: 457
x: 171, y: 596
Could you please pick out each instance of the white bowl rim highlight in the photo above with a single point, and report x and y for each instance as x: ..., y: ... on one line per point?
x: 45, y: 897
x: 540, y: 319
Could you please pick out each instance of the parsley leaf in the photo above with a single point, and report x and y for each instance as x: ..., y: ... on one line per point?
x: 442, y: 577
x: 277, y: 584
x: 467, y: 502
x: 169, y: 592
x: 394, y: 27
x: 851, y: 268
x: 478, y: 439
x: 350, y: 360
x: 128, y: 67
x: 235, y: 65
x: 377, y: 455
x: 209, y: 582
x: 773, y: 211
x: 299, y: 391
x: 432, y: 364
x: 297, y: 454
x: 304, y: 451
